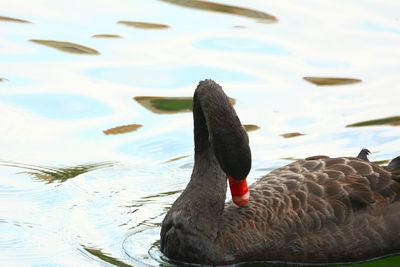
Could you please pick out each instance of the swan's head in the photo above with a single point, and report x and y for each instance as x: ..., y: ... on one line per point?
x: 235, y: 160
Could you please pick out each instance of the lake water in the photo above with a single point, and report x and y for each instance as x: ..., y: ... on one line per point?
x: 76, y: 191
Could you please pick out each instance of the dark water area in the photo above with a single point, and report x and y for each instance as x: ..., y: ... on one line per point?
x: 96, y: 98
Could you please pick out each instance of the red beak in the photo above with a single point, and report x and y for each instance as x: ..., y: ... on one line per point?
x: 239, y: 191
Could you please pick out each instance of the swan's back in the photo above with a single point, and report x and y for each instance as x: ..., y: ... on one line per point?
x: 319, y: 209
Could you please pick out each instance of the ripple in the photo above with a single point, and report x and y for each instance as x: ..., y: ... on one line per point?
x: 98, y: 253
x: 67, y: 47
x: 59, y: 106
x: 245, y: 45
x: 167, y: 76
x: 144, y: 25
x: 223, y: 8
x: 61, y: 174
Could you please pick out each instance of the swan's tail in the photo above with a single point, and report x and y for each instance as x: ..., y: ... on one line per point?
x: 363, y: 154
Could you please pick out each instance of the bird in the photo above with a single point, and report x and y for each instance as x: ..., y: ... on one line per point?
x: 314, y: 210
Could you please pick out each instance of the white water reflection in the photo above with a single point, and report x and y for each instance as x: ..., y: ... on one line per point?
x: 55, y: 106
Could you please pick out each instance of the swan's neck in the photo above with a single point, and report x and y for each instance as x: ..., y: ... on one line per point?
x: 191, y: 226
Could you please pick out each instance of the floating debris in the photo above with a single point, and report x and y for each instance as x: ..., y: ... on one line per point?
x: 123, y: 129
x: 222, y: 8
x: 143, y: 25
x: 8, y: 19
x: 326, y: 81
x: 391, y: 121
x: 251, y: 127
x: 3, y: 80
x: 168, y: 105
x: 67, y: 47
x: 291, y: 135
x: 107, y: 36
x: 50, y: 174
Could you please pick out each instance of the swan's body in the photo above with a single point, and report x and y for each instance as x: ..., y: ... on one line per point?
x: 315, y: 210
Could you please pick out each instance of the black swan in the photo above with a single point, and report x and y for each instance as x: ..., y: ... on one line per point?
x: 316, y: 210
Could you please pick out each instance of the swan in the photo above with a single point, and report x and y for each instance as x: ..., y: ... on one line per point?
x: 314, y: 210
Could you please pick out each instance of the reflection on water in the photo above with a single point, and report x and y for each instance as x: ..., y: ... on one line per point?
x: 107, y: 36
x: 392, y: 121
x: 123, y: 129
x: 61, y: 174
x: 105, y: 257
x: 67, y: 47
x: 8, y: 19
x: 57, y: 109
x: 322, y: 81
x: 143, y: 25
x: 222, y: 8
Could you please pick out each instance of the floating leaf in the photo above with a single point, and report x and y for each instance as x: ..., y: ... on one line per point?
x: 250, y: 127
x: 323, y: 81
x: 105, y: 257
x: 107, y: 36
x: 291, y: 135
x: 8, y: 19
x: 168, y: 105
x: 67, y: 47
x: 222, y: 8
x: 392, y: 121
x: 123, y: 129
x: 50, y: 174
x: 143, y: 25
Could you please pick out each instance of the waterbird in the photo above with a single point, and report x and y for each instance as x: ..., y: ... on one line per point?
x: 314, y: 210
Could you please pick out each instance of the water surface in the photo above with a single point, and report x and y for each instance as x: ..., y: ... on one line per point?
x: 87, y: 173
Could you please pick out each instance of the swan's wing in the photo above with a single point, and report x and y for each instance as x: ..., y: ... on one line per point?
x: 331, y: 189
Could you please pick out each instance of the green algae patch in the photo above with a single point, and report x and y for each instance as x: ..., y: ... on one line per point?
x: 168, y: 105
x: 67, y: 47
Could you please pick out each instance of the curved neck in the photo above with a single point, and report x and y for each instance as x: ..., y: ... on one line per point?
x: 218, y: 128
x: 191, y: 226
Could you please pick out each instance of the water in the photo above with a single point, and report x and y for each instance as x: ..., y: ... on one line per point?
x: 72, y: 195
